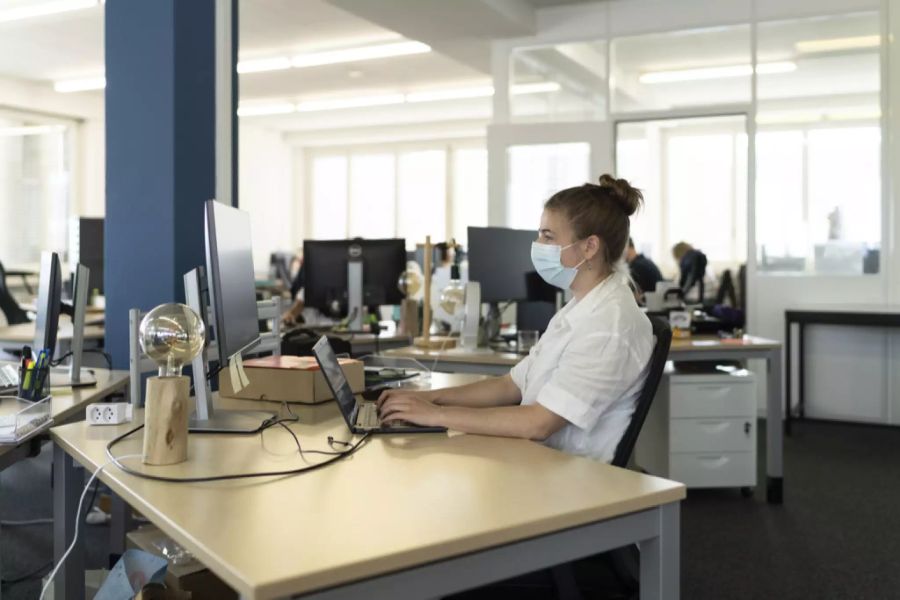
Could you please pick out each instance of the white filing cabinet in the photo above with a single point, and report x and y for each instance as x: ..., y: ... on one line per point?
x: 701, y: 430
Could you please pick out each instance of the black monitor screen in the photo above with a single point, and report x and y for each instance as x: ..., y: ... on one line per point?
x: 90, y: 249
x: 325, y: 272
x: 48, y: 304
x: 500, y: 260
x: 232, y: 283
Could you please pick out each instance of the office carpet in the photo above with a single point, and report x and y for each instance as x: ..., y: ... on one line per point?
x: 836, y: 537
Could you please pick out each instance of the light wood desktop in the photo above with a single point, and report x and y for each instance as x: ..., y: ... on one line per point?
x: 406, y: 516
x: 695, y: 348
x: 23, y: 334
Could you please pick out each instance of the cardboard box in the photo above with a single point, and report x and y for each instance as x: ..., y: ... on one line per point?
x: 183, y: 578
x: 294, y: 379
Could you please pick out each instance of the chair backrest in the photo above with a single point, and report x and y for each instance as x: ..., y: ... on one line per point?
x: 663, y: 335
x: 139, y: 363
x: 11, y: 309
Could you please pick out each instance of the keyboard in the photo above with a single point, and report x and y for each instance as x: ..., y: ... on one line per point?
x: 368, y: 416
x: 9, y: 378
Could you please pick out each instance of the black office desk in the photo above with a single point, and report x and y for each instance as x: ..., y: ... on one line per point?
x: 858, y: 315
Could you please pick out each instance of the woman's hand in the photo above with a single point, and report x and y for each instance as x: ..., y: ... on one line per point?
x: 408, y: 405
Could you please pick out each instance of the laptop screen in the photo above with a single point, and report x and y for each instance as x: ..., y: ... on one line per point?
x: 335, y: 378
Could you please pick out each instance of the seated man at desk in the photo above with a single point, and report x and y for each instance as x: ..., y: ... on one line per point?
x: 644, y: 271
x: 577, y: 389
x: 692, y: 265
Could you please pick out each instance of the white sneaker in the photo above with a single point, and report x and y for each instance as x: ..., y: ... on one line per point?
x: 97, y: 517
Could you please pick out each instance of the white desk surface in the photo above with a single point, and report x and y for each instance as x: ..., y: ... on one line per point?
x: 69, y: 402
x: 848, y: 308
x: 490, y: 357
x: 24, y: 332
x: 399, y: 502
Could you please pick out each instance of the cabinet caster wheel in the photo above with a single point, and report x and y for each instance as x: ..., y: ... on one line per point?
x: 747, y: 492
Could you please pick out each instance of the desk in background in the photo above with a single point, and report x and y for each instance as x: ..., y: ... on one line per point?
x: 13, y: 337
x: 415, y: 516
x: 697, y: 348
x: 859, y: 315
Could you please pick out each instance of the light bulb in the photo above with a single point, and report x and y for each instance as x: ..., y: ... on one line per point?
x: 410, y: 283
x: 453, y: 298
x: 172, y: 335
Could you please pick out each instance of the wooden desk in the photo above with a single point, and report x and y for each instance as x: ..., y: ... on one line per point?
x: 697, y: 348
x: 68, y: 404
x: 405, y: 517
x: 857, y: 315
x: 16, y: 336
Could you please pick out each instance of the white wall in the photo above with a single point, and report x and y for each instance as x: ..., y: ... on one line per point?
x: 266, y: 191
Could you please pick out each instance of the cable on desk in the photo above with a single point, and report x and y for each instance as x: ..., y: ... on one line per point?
x: 335, y: 456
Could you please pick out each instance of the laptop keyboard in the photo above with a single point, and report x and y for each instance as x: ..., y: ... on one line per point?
x: 9, y: 377
x: 368, y: 416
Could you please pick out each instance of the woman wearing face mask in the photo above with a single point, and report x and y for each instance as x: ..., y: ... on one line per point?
x: 578, y: 387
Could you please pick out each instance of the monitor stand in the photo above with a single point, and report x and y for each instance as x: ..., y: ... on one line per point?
x: 74, y: 376
x: 206, y: 419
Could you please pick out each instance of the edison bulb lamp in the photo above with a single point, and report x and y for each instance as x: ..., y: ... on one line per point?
x: 172, y: 335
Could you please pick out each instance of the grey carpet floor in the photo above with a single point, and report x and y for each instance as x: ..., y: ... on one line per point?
x: 836, y: 537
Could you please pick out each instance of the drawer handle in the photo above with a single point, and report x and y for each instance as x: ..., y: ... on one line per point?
x: 714, y: 461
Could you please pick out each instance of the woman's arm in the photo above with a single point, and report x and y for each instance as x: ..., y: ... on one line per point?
x: 497, y: 391
x: 533, y: 421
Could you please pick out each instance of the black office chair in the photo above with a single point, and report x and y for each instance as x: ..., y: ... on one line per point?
x: 14, y: 313
x: 624, y: 562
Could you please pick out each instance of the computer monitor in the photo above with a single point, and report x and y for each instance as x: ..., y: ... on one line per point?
x: 48, y: 303
x: 325, y: 266
x: 500, y: 260
x: 232, y: 284
x: 86, y: 248
x: 534, y: 316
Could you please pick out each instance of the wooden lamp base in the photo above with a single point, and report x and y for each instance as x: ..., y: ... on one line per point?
x: 166, y: 420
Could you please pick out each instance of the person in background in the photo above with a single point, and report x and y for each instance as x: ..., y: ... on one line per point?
x: 292, y: 315
x: 692, y: 265
x: 644, y: 271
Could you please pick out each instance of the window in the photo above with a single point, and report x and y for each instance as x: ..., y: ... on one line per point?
x: 818, y: 149
x: 35, y: 188
x: 422, y: 196
x: 401, y: 192
x: 693, y: 174
x: 538, y: 171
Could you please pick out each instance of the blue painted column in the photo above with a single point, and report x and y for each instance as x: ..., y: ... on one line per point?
x: 160, y: 152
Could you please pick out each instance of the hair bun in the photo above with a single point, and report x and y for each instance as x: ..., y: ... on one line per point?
x: 629, y: 198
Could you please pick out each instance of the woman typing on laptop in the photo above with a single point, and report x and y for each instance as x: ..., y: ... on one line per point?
x: 577, y: 389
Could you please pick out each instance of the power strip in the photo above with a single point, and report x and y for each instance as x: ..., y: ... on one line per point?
x: 108, y: 413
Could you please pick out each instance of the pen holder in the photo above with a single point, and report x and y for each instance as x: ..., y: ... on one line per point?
x: 33, y: 383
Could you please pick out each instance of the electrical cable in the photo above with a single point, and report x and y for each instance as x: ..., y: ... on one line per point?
x: 336, y: 456
x: 78, y: 519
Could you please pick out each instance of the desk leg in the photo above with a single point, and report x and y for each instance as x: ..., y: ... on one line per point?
x: 788, y: 374
x: 774, y: 430
x: 68, y: 481
x: 660, y: 568
x: 121, y: 523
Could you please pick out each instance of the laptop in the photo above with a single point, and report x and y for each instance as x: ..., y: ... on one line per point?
x: 361, y: 415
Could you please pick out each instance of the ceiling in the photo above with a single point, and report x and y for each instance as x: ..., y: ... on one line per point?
x: 70, y: 45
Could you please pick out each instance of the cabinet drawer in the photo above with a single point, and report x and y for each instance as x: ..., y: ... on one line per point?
x: 726, y: 399
x: 711, y: 469
x: 712, y: 435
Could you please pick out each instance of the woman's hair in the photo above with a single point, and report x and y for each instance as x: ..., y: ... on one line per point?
x: 680, y: 249
x: 600, y: 210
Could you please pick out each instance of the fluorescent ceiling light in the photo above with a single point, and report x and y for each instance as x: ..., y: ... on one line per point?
x: 327, y: 104
x: 484, y: 91
x: 342, y: 103
x: 331, y: 57
x: 837, y: 44
x: 259, y: 65
x: 79, y: 85
x: 43, y: 9
x: 30, y: 130
x: 846, y: 113
x: 724, y: 72
x: 540, y: 87
x: 261, y: 110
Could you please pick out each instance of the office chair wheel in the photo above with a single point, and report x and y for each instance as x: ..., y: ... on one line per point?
x: 747, y: 492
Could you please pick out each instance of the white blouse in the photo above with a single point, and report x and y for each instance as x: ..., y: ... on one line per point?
x: 589, y: 368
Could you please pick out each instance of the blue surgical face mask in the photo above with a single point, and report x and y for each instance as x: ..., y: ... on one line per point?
x: 546, y: 259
